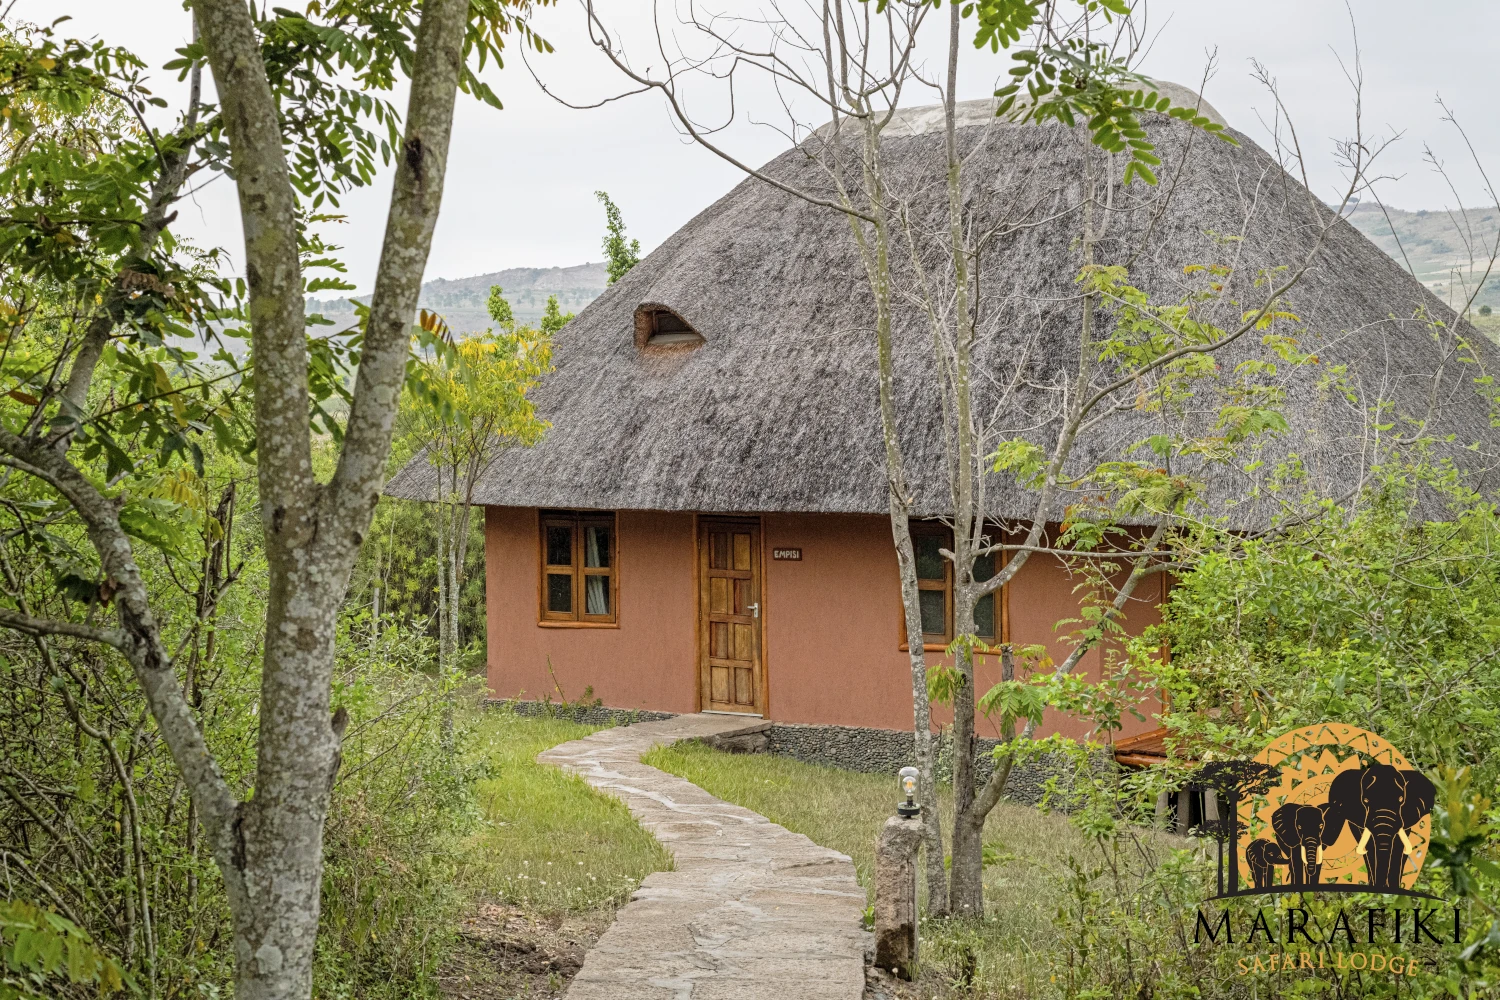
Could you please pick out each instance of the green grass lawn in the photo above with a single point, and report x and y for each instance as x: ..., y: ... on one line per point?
x: 844, y: 810
x: 546, y: 841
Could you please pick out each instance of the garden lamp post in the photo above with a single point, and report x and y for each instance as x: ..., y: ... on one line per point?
x: 908, y: 776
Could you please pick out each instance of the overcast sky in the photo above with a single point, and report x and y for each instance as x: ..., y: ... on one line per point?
x: 521, y: 181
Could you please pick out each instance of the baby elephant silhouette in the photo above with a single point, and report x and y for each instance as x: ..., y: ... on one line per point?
x: 1263, y: 856
x: 1299, y: 845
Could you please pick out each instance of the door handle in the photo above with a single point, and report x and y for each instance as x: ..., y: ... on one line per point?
x: 754, y: 609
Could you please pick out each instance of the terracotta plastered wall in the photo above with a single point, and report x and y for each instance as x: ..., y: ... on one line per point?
x: 833, y: 626
x: 832, y: 621
x: 646, y: 662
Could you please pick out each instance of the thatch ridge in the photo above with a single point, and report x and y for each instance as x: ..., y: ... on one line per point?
x: 776, y: 410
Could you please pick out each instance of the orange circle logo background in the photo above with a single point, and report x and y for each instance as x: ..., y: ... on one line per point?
x: 1309, y: 759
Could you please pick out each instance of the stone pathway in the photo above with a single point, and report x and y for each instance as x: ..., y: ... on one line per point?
x: 752, y: 910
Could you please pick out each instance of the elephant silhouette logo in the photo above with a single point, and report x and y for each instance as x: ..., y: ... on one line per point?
x: 1381, y: 805
x: 1333, y: 808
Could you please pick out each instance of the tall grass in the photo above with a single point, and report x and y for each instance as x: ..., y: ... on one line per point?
x: 546, y: 840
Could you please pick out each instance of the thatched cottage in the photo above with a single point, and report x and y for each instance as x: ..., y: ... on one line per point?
x: 704, y: 527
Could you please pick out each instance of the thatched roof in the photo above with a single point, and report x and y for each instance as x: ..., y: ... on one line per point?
x: 776, y: 410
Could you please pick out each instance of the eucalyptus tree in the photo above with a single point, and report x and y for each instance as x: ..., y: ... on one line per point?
x: 88, y: 193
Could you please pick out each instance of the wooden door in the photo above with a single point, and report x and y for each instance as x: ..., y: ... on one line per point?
x: 729, y: 599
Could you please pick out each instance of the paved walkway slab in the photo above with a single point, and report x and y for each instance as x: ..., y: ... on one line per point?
x: 752, y: 910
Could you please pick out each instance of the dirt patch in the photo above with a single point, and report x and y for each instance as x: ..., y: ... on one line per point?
x: 931, y: 984
x: 505, y: 952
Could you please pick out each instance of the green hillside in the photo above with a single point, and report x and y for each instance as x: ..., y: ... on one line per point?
x: 1449, y: 252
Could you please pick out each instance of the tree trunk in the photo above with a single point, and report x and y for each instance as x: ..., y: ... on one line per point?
x: 966, y: 881
x: 877, y: 263
x: 442, y: 578
x: 966, y: 878
x: 270, y: 847
x: 932, y: 826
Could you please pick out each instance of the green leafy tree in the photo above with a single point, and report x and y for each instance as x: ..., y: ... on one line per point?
x: 1377, y: 614
x: 622, y: 255
x: 498, y: 306
x: 108, y: 401
x: 553, y: 318
x: 40, y: 950
x: 463, y: 407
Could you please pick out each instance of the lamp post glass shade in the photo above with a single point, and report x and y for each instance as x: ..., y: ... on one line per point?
x: 909, y: 807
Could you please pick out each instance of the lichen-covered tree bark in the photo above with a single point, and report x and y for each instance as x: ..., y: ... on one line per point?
x: 270, y: 847
x: 268, y: 844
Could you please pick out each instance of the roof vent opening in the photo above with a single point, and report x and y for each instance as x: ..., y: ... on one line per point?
x: 658, y: 326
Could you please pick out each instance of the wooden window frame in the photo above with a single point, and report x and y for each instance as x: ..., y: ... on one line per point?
x: 1002, y: 616
x: 577, y: 522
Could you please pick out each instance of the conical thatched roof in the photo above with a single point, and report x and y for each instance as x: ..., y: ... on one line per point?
x: 776, y: 410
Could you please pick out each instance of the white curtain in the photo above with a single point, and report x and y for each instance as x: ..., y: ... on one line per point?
x: 596, y: 588
x: 597, y: 601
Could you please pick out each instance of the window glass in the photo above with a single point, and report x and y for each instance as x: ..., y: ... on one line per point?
x: 578, y: 568
x: 560, y: 593
x: 934, y: 612
x: 670, y: 323
x: 930, y: 562
x: 559, y: 545
x: 984, y: 616
x: 596, y: 595
x: 935, y: 584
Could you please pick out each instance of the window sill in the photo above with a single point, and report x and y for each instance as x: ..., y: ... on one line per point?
x: 547, y: 624
x: 931, y: 647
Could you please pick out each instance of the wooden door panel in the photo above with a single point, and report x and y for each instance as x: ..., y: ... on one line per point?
x: 729, y: 615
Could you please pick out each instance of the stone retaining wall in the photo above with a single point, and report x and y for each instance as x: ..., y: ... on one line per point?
x: 887, y: 751
x: 852, y: 748
x: 588, y: 715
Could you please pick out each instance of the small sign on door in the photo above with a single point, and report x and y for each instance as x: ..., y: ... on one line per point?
x: 787, y: 555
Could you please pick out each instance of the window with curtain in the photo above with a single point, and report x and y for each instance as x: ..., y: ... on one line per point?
x: 578, y: 568
x: 935, y: 586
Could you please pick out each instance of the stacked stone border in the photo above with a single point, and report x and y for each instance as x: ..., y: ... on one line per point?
x: 584, y: 714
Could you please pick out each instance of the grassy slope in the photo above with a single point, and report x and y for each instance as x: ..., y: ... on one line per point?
x: 1434, y: 247
x: 546, y: 841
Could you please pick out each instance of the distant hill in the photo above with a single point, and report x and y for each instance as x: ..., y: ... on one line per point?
x: 1431, y: 241
x: 1434, y: 244
x: 461, y: 301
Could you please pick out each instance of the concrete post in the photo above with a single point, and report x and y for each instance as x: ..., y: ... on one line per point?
x: 896, y: 895
x: 1163, y: 809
